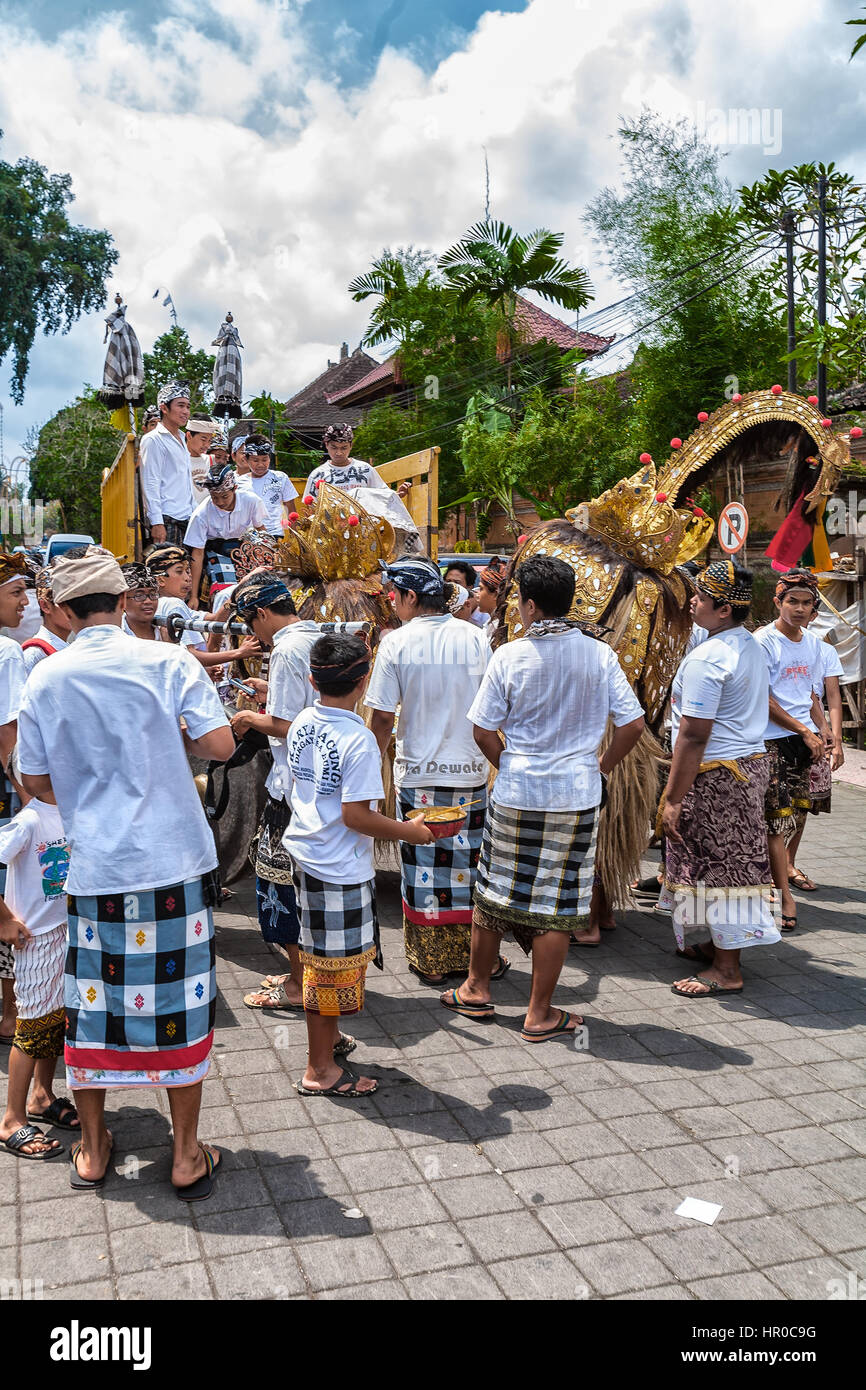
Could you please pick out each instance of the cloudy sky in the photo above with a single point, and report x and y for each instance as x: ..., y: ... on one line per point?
x: 255, y: 155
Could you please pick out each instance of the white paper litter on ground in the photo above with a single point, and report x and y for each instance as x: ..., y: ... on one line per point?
x: 698, y: 1210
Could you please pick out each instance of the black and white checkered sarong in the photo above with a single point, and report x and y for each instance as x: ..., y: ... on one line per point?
x: 536, y: 867
x: 338, y: 920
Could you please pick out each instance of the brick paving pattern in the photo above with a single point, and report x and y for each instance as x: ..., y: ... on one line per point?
x: 487, y: 1168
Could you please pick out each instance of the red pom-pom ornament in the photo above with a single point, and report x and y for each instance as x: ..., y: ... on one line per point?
x: 353, y: 520
x: 318, y: 484
x: 702, y: 416
x: 521, y: 539
x: 309, y: 500
x: 661, y: 497
x: 293, y: 517
x: 813, y: 400
x: 736, y: 397
x: 698, y: 511
x: 776, y: 390
x: 676, y: 443
x: 391, y: 595
x: 645, y: 458
x: 826, y: 424
x: 855, y: 432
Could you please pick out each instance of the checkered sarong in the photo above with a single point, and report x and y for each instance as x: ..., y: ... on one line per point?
x: 140, y: 986
x: 536, y: 867
x: 437, y: 879
x: 339, y: 923
x: 219, y: 566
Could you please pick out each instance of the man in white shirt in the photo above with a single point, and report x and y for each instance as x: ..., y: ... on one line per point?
x: 342, y: 471
x: 274, y: 487
x: 166, y: 477
x: 264, y: 602
x: 217, y: 525
x: 53, y: 635
x: 430, y: 669
x: 550, y: 694
x: 99, y: 727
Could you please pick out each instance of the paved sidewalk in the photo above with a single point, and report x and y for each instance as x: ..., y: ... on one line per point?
x: 486, y: 1168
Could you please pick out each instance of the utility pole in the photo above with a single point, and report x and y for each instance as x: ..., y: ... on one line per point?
x: 822, y: 285
x: 788, y: 230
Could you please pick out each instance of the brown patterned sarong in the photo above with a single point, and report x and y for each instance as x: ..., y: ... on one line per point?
x: 41, y: 1037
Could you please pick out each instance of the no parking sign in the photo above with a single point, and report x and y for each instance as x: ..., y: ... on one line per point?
x: 733, y: 527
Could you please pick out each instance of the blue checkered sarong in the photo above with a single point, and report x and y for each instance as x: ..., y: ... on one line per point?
x: 140, y: 985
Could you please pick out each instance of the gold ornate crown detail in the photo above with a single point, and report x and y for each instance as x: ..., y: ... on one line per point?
x: 638, y: 521
x: 335, y: 538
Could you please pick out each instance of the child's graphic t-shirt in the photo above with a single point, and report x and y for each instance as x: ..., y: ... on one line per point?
x: 34, y: 846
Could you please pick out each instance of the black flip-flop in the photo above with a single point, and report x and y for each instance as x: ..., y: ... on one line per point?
x: 58, y: 1107
x: 502, y: 968
x: 345, y: 1075
x: 711, y: 988
x: 75, y: 1178
x: 789, y: 923
x: 25, y: 1135
x: 203, y: 1186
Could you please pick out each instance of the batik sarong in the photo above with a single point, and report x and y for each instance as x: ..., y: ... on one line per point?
x: 536, y: 870
x: 39, y: 966
x: 140, y: 987
x: 437, y: 882
x: 719, y: 876
x: 788, y: 787
x: 275, y: 896
x: 339, y: 938
x: 820, y: 786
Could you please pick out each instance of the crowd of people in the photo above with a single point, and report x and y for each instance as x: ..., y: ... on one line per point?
x: 106, y: 916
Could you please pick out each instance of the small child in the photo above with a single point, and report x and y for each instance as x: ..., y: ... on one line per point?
x: 337, y: 770
x: 33, y: 922
x: 270, y: 484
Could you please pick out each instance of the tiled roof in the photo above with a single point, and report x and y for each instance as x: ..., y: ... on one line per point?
x: 313, y: 405
x: 536, y: 323
x: 384, y: 371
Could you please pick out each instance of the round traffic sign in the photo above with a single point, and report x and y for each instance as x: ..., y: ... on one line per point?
x: 733, y: 527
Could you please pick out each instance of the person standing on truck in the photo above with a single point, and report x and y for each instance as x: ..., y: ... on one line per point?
x: 166, y: 474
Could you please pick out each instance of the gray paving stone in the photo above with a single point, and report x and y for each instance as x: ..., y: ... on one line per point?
x: 810, y: 1279
x: 153, y: 1246
x: 752, y: 1153
x: 710, y: 1122
x: 684, y: 1163
x: 772, y: 1238
x: 56, y: 1216
x: 738, y: 1287
x: 616, y: 1173
x: 827, y: 1107
x: 667, y: 1293
x: 851, y: 1132
x: 625, y: 1100
x: 836, y: 1228
x: 811, y: 1144
x: 791, y: 1189
x: 537, y: 1277
x: 182, y: 1282
x: 378, y: 1171
x: 427, y: 1248
x: 236, y: 1232
x: 646, y: 1212
x: 674, y: 1095
x: 847, y: 1176
x: 97, y: 1291
x: 464, y: 1285
x: 765, y: 1116
x: 495, y: 1238
x: 476, y: 1196
x: 697, y: 1253
x: 271, y: 1273
x: 343, y: 1264
x: 323, y: 1218
x: 582, y: 1223
x: 399, y: 1207
x: 546, y: 1186
x: 65, y: 1260
x: 642, y: 1132
x: 436, y: 1161
x: 619, y: 1266
x: 520, y: 1151
x: 585, y: 1141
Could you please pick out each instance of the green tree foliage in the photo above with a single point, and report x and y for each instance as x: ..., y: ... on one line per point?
x: 793, y: 194
x: 673, y: 233
x: 860, y: 23
x: 51, y: 272
x: 292, y: 457
x: 67, y: 458
x: 172, y: 359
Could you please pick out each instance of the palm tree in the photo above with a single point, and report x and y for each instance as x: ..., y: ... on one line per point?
x: 491, y: 260
x: 393, y: 278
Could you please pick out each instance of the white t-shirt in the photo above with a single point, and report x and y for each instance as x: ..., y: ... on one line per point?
x: 124, y: 627
x: 289, y: 692
x: 697, y: 635
x: 169, y: 606
x: 724, y: 679
x: 103, y: 719
x: 795, y: 672
x: 551, y: 697
x: 209, y: 522
x: 355, y: 473
x: 33, y: 655
x: 13, y: 674
x: 274, y: 488
x: 431, y: 670
x: 34, y: 846
x: 830, y: 664
x: 333, y: 758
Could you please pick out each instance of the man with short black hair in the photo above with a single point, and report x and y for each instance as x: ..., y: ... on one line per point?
x: 217, y: 525
x: 140, y: 986
x: 269, y: 483
x: 550, y: 694
x: 166, y: 478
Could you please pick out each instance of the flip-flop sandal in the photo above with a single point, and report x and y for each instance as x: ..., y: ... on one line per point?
x: 25, y: 1135
x: 59, y: 1113
x: 584, y: 945
x: 646, y: 885
x: 452, y: 1000
x: 502, y: 968
x: 563, y: 1026
x: 434, y: 981
x: 278, y: 1001
x: 701, y: 954
x: 802, y: 881
x: 272, y: 981
x: 789, y: 923
x: 345, y: 1075
x: 86, y: 1184
x: 711, y: 988
x: 344, y: 1045
x: 203, y: 1186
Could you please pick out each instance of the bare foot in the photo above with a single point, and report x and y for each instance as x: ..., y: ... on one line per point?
x: 698, y: 985
x: 92, y: 1164
x: 184, y: 1172
x: 39, y: 1145
x: 323, y: 1081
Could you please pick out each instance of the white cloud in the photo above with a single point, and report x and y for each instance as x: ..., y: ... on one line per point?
x: 234, y: 172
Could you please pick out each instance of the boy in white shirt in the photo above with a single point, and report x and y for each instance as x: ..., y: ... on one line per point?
x: 53, y: 635
x: 342, y: 471
x: 217, y: 525
x: 337, y: 770
x: 33, y: 923
x: 270, y: 484
x: 170, y: 565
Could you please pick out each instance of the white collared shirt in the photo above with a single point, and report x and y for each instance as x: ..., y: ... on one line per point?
x: 103, y: 720
x: 210, y: 523
x: 551, y: 697
x: 33, y: 655
x: 166, y: 476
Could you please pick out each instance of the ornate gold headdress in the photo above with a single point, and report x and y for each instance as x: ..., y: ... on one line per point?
x: 335, y: 538
x: 638, y: 521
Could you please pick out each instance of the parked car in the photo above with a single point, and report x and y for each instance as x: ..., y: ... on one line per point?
x: 62, y: 541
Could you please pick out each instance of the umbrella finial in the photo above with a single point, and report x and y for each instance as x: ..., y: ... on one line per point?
x: 118, y: 300
x: 229, y: 318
